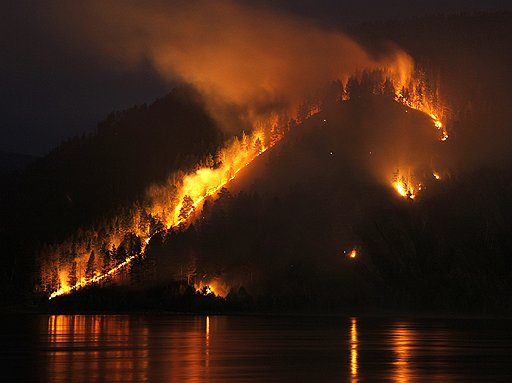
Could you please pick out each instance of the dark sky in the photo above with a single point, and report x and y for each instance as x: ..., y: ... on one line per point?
x: 49, y: 91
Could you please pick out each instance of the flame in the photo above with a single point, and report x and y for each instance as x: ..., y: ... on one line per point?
x: 173, y: 203
x: 414, y: 94
x: 197, y: 186
x: 205, y: 181
x: 404, y: 186
x: 400, y: 188
x: 352, y: 254
x: 214, y: 286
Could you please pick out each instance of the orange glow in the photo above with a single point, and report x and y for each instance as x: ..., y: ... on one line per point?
x: 404, y: 190
x: 166, y: 205
x: 406, y: 185
x: 354, y: 343
x: 214, y: 286
x: 205, y: 181
x: 400, y: 188
x: 413, y: 94
x: 114, y: 364
x: 353, y: 253
x: 402, y: 339
x: 174, y: 203
x: 179, y: 42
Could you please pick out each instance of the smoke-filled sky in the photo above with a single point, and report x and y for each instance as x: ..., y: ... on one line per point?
x: 65, y: 65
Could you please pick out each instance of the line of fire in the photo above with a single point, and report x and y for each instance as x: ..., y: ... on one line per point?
x: 95, y: 257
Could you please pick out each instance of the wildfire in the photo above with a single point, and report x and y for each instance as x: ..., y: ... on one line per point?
x: 85, y: 282
x: 214, y: 286
x: 416, y: 93
x: 404, y: 190
x: 404, y: 186
x: 173, y: 204
x: 421, y: 103
x: 193, y: 188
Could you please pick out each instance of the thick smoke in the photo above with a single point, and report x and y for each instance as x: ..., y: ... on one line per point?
x: 254, y: 60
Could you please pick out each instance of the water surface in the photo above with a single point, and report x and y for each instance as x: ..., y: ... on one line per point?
x: 136, y: 348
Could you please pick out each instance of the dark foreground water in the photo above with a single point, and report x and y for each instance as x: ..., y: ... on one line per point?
x: 119, y: 348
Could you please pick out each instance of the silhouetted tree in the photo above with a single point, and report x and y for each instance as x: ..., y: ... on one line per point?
x: 155, y: 226
x: 72, y: 278
x: 121, y: 254
x: 353, y: 88
x: 54, y: 280
x: 89, y: 271
x: 405, y: 93
x: 389, y: 89
x: 258, y: 146
x: 209, y: 162
x: 187, y: 208
x: 107, y: 259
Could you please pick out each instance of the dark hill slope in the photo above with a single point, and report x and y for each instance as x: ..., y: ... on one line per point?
x: 368, y: 140
x: 468, y: 57
x: 86, y: 179
x: 13, y: 163
x: 284, y: 227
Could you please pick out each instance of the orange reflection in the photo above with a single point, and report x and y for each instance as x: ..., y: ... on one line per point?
x: 402, y: 338
x: 353, y: 351
x: 207, y: 348
x: 93, y: 348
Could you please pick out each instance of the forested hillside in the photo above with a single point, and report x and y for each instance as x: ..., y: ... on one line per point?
x: 425, y: 204
x: 88, y: 178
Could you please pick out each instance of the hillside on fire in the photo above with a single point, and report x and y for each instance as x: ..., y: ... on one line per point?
x: 384, y: 184
x: 306, y: 225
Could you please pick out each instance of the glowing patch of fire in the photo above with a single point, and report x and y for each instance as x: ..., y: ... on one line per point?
x: 404, y: 189
x: 198, y: 188
x: 214, y: 287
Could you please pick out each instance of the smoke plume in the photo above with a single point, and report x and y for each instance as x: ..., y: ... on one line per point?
x: 253, y: 59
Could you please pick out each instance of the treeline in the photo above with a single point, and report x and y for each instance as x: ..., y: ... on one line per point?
x: 92, y: 252
x: 449, y: 250
x: 92, y: 177
x: 431, y: 254
x: 468, y: 56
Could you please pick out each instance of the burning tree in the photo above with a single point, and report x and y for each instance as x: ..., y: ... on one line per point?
x: 187, y: 207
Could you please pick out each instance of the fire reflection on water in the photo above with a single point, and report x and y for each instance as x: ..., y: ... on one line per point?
x: 119, y: 348
x: 113, y: 352
x: 402, y: 338
x: 219, y: 349
x: 207, y: 345
x: 353, y: 351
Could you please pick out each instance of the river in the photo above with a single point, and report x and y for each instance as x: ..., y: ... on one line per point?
x: 159, y: 348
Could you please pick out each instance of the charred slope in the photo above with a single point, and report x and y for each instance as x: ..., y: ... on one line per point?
x: 280, y: 236
x: 90, y: 177
x: 285, y: 234
x: 468, y: 56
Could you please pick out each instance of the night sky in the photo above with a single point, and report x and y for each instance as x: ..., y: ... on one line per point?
x: 51, y: 89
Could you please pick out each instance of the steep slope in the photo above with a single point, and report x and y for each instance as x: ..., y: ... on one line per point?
x: 282, y: 227
x: 286, y: 227
x: 316, y: 222
x: 89, y: 178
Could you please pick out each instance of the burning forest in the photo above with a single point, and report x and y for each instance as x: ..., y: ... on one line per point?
x: 115, y: 251
x: 292, y: 163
